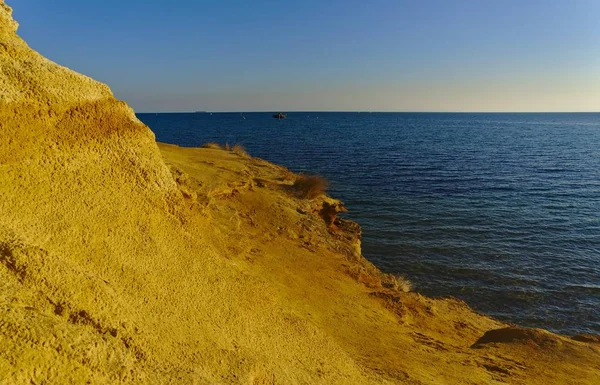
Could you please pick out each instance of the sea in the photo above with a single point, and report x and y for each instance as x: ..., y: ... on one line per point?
x: 501, y: 210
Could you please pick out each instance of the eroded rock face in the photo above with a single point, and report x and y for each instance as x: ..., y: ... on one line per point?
x: 64, y: 133
x: 518, y: 335
x: 592, y: 338
x: 101, y: 279
x: 28, y: 77
x: 80, y: 177
x: 7, y: 24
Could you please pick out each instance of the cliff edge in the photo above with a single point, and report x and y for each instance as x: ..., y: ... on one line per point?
x: 126, y: 261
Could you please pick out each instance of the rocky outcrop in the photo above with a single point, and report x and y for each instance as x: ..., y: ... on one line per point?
x: 106, y: 273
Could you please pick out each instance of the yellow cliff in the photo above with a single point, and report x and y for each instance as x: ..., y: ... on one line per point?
x: 124, y: 261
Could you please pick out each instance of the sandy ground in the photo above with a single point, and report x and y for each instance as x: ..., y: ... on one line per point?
x: 127, y: 261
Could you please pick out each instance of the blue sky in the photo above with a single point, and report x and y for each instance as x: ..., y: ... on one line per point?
x: 429, y: 55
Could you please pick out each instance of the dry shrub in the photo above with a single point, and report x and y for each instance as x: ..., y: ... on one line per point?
x: 310, y: 186
x: 213, y: 145
x: 238, y: 149
x: 397, y: 282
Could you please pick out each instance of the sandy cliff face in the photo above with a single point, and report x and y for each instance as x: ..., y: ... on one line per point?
x: 104, y: 276
x: 123, y: 262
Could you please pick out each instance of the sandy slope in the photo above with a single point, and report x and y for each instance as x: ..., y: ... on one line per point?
x: 126, y: 262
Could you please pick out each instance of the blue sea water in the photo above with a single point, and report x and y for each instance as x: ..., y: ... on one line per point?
x: 501, y: 210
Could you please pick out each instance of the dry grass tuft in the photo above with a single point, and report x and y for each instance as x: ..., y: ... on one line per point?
x: 240, y: 150
x: 213, y: 145
x: 310, y: 186
x: 397, y: 282
x: 237, y: 149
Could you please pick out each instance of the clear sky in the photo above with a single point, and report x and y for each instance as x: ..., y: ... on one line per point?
x: 419, y: 55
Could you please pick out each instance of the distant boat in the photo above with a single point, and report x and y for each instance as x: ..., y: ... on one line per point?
x: 280, y: 115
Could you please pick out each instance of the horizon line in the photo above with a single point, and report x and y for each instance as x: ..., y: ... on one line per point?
x: 370, y: 112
